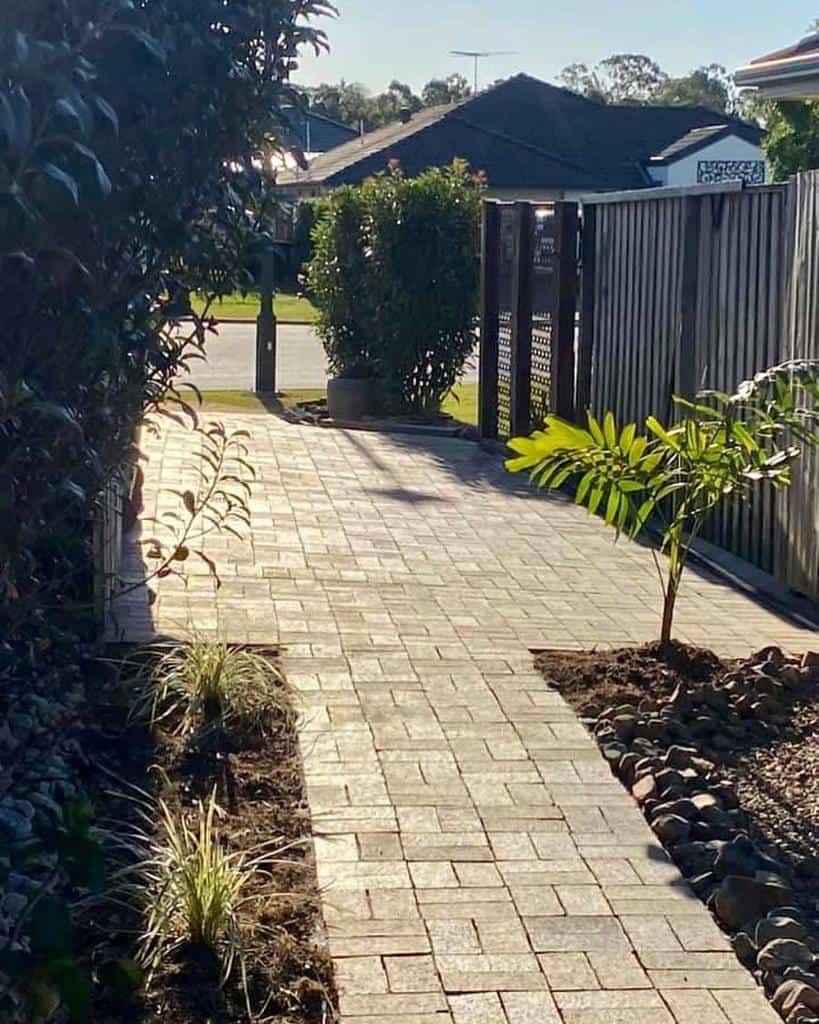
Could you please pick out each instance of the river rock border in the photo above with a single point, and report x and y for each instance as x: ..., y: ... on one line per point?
x: 667, y: 751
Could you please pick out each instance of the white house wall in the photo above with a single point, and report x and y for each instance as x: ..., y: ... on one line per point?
x: 694, y: 169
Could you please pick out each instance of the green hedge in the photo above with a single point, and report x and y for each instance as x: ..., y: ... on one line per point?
x: 395, y: 276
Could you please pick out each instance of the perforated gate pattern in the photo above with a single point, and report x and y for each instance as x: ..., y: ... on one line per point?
x: 504, y: 371
x: 540, y: 387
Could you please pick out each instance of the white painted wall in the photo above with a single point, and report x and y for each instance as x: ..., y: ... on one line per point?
x: 684, y: 171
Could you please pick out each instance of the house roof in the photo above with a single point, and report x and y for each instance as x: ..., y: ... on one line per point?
x: 790, y: 72
x: 693, y: 141
x: 522, y: 133
x: 314, y: 132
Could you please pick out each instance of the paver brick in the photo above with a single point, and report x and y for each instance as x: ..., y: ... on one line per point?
x: 566, y: 972
x: 392, y: 1004
x: 576, y: 934
x: 692, y: 1006
x: 411, y: 973
x: 360, y: 975
x: 529, y: 1008
x: 483, y: 1008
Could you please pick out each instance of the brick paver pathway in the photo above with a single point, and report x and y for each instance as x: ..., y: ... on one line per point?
x: 480, y: 864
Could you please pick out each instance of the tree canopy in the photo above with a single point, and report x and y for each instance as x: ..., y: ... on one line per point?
x: 353, y: 104
x: 792, y: 142
x: 633, y: 78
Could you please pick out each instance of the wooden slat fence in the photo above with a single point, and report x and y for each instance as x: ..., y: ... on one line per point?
x: 680, y: 289
x: 797, y: 550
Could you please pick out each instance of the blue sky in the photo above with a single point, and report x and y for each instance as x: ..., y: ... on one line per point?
x: 373, y: 41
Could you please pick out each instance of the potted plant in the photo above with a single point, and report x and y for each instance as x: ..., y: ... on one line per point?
x: 395, y: 277
x: 337, y: 277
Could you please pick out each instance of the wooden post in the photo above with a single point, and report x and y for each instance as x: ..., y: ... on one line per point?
x: 685, y: 364
x: 563, y: 316
x: 266, y: 326
x: 583, y: 396
x: 490, y: 311
x: 520, y: 399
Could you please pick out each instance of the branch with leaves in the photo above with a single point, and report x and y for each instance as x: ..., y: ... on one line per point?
x: 720, y: 446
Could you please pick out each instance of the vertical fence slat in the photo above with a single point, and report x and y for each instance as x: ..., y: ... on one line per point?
x: 520, y: 416
x: 490, y: 321
x: 563, y: 314
x: 588, y: 315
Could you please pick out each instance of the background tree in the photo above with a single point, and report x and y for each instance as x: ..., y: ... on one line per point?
x: 621, y: 78
x: 452, y: 89
x: 636, y: 79
x: 710, y: 87
x: 353, y: 104
x: 792, y: 141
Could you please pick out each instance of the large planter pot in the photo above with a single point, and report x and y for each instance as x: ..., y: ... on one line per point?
x: 349, y: 399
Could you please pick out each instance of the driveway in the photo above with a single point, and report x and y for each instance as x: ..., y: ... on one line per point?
x: 478, y: 862
x: 300, y: 364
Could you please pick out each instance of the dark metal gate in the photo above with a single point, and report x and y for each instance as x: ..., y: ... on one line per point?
x: 529, y: 273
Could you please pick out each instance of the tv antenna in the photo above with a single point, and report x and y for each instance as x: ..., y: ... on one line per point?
x: 477, y: 55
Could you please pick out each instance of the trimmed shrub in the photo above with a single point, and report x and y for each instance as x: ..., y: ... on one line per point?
x: 395, y: 275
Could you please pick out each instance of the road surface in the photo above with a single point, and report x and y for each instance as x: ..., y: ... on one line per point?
x: 301, y: 362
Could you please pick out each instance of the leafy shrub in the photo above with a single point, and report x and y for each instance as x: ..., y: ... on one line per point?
x: 338, y: 278
x: 395, y: 276
x: 127, y: 180
x: 197, y: 684
x: 680, y: 473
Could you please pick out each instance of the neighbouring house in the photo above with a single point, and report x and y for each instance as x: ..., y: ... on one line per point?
x: 314, y: 133
x: 789, y: 74
x: 536, y: 141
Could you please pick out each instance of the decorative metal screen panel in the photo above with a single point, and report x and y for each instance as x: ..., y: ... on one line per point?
x: 504, y: 371
x: 711, y: 172
x: 540, y: 386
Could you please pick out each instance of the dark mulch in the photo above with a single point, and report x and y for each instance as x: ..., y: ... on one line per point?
x: 775, y: 775
x: 594, y: 680
x: 260, y: 789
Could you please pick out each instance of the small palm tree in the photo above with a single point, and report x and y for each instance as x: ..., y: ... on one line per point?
x: 720, y: 446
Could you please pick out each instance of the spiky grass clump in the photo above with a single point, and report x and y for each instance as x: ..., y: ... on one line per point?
x: 195, y: 889
x: 198, y: 684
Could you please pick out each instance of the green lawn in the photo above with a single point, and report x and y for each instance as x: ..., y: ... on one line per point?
x: 461, y: 403
x: 289, y: 308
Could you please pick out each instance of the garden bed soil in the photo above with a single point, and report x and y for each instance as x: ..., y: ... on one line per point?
x: 596, y: 679
x: 724, y: 759
x: 260, y: 791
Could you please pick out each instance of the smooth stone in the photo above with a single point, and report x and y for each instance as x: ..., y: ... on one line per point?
x: 779, y: 928
x: 745, y: 949
x: 741, y: 857
x: 791, y: 994
x: 781, y: 953
x: 644, y: 789
x: 671, y: 828
x: 740, y: 900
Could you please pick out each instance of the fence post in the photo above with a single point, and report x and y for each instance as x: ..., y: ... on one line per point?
x: 585, y: 350
x: 490, y: 313
x: 266, y: 326
x: 520, y: 398
x: 685, y: 366
x: 563, y: 316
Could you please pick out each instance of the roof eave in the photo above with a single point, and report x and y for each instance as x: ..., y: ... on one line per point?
x: 789, y: 76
